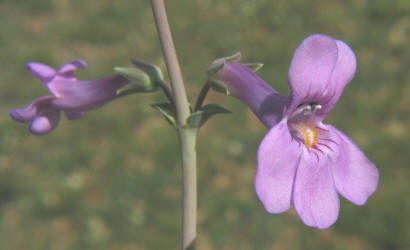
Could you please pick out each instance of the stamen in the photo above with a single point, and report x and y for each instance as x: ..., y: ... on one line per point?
x: 307, y: 109
x: 316, y: 107
x: 302, y: 110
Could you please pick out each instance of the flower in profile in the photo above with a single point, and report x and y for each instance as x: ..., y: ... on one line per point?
x: 301, y: 160
x: 70, y: 95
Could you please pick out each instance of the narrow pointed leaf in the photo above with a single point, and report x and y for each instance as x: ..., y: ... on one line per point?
x: 211, y: 110
x: 168, y: 111
x: 140, y: 80
x: 130, y: 88
x: 194, y: 120
x: 152, y: 70
x: 198, y: 118
x: 219, y: 86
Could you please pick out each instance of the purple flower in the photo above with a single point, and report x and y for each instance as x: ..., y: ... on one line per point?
x: 302, y: 161
x: 265, y: 102
x: 70, y: 95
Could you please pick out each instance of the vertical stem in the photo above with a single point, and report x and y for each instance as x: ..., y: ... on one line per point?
x: 188, y: 148
x: 171, y: 60
x: 187, y: 136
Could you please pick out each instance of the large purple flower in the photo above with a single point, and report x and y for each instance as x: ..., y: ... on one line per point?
x: 302, y: 161
x: 70, y: 95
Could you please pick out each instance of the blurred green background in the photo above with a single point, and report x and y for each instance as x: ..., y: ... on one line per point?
x: 111, y: 180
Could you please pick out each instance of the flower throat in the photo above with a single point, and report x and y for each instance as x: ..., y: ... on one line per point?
x: 304, y: 127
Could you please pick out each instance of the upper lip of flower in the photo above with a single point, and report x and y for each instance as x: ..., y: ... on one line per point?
x: 319, y: 71
x: 70, y: 95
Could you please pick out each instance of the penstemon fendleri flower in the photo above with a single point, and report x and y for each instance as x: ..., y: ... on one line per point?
x: 302, y: 161
x: 69, y: 94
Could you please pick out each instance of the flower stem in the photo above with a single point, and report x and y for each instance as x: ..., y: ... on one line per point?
x: 201, y: 96
x: 167, y: 92
x: 187, y: 135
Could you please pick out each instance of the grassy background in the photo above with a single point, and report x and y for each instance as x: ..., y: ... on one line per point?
x: 111, y: 180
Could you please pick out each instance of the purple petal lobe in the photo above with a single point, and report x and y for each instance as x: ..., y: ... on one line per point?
x: 66, y: 73
x: 278, y: 158
x: 24, y: 114
x: 46, y: 122
x: 356, y: 178
x: 243, y: 83
x: 44, y: 72
x: 71, y: 66
x: 27, y: 113
x: 311, y: 69
x: 342, y: 74
x: 314, y: 196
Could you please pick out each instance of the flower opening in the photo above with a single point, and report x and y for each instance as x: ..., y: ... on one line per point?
x: 302, y: 127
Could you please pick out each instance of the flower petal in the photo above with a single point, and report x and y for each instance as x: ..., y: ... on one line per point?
x: 311, y: 69
x: 46, y: 122
x: 243, y: 83
x: 65, y: 76
x: 314, y: 196
x: 278, y: 158
x: 86, y: 95
x: 68, y: 68
x: 44, y: 72
x: 356, y: 178
x: 27, y: 113
x: 342, y: 74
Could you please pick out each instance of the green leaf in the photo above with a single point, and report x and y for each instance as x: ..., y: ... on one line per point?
x: 140, y: 81
x: 168, y: 111
x: 194, y: 120
x: 130, y: 88
x: 144, y: 77
x: 198, y: 118
x: 219, y: 86
x: 152, y: 70
x: 211, y: 110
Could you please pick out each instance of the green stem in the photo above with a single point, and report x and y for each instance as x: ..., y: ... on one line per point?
x: 201, y: 97
x: 187, y: 136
